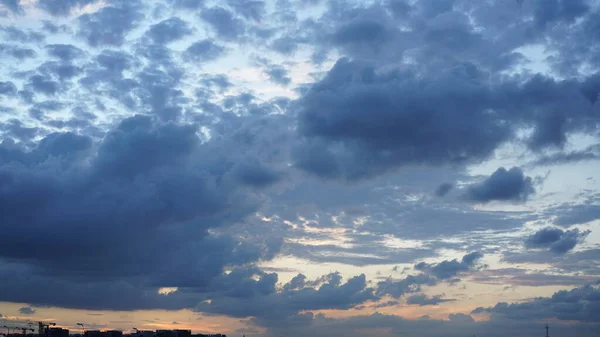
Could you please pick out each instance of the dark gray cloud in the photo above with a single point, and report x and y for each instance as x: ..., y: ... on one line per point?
x: 257, y: 175
x: 156, y: 54
x: 332, y: 129
x: 14, y: 34
x: 423, y: 300
x: 362, y: 31
x: 448, y: 269
x: 583, y: 262
x: 203, y: 51
x: 573, y: 214
x: 64, y: 52
x: 152, y: 89
x: 443, y: 189
x: 169, y: 30
x: 523, y: 277
x: 13, y: 5
x: 14, y: 128
x: 579, y: 304
x: 223, y: 22
x: 285, y: 45
x: 502, y: 185
x: 220, y: 81
x: 187, y: 4
x: 160, y: 94
x: 20, y: 53
x: 61, y: 70
x: 51, y: 28
x: 295, y: 297
x: 359, y: 122
x: 410, y: 284
x: 564, y: 158
x: 464, y: 318
x: 555, y: 239
x: 278, y: 74
x: 27, y: 311
x: 38, y: 109
x: 8, y: 89
x: 109, y: 26
x: 249, y: 9
x: 43, y: 84
x: 180, y: 196
x: 559, y: 11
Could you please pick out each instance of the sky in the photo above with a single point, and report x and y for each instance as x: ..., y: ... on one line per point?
x: 288, y: 168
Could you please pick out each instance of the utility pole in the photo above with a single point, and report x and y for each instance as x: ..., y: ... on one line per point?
x: 547, y: 328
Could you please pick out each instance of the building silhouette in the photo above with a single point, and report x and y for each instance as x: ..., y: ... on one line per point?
x: 57, y: 332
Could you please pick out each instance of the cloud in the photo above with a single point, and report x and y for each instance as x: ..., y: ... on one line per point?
x: 502, y: 185
x: 573, y: 214
x: 17, y: 52
x: 255, y: 174
x: 223, y: 22
x: 458, y: 323
x: 169, y: 30
x: 27, y: 311
x: 109, y: 25
x: 578, y: 304
x: 423, y: 300
x: 555, y: 239
x: 523, y: 277
x: 61, y: 70
x: 350, y: 116
x: 117, y: 135
x: 219, y: 80
x: 411, y: 283
x: 43, y: 84
x: 8, y: 89
x: 329, y: 293
x: 564, y: 158
x: 443, y: 189
x: 187, y: 4
x: 362, y: 31
x: 102, y: 205
x: 357, y: 112
x: 13, y: 5
x: 203, y: 51
x: 14, y: 34
x: 61, y: 7
x: 448, y: 269
x: 64, y: 52
x: 278, y: 74
x: 285, y: 45
x: 51, y: 28
x: 17, y: 130
x: 559, y: 11
x: 461, y: 318
x: 249, y: 9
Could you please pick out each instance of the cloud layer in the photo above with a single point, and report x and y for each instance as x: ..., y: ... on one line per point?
x: 302, y: 167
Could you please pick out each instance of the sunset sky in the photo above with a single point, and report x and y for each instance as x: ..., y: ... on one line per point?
x: 293, y: 168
